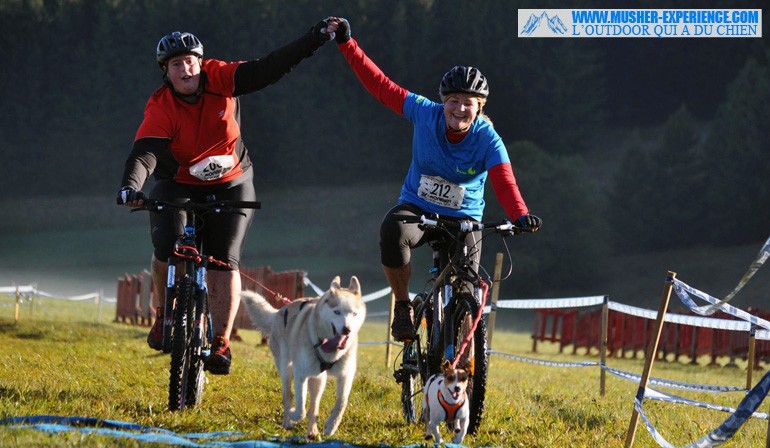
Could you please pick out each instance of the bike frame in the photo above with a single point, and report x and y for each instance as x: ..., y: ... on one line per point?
x: 454, y: 308
x: 188, y: 239
x: 187, y: 328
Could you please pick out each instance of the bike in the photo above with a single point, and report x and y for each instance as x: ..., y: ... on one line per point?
x: 448, y: 316
x: 187, y: 327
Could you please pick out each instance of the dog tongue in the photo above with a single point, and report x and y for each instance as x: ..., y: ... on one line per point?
x: 337, y: 342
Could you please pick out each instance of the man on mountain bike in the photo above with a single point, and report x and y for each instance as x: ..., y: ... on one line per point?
x: 454, y: 149
x: 195, y: 117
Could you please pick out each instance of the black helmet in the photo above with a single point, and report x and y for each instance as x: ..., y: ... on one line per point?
x: 464, y: 79
x: 177, y: 43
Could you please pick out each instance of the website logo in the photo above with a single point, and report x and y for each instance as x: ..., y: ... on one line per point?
x: 640, y: 23
x: 554, y: 24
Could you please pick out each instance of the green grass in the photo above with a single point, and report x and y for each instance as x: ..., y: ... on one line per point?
x: 59, y: 361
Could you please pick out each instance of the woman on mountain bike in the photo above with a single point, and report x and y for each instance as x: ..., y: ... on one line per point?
x: 454, y: 149
x: 195, y: 117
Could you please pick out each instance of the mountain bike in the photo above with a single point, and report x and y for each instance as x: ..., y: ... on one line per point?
x: 448, y: 315
x: 187, y: 327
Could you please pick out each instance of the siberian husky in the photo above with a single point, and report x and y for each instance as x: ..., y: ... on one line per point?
x: 445, y: 400
x: 312, y: 338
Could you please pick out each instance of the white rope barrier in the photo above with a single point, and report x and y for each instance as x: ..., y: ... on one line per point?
x: 14, y: 289
x: 693, y: 387
x: 685, y: 293
x: 543, y: 362
x: 652, y: 394
x: 573, y: 302
x: 693, y: 321
x: 745, y: 410
x: 32, y: 289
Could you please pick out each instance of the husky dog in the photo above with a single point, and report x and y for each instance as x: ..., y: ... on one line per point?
x: 311, y: 338
x: 445, y: 400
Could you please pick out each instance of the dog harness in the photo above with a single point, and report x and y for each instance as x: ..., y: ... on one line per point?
x: 325, y: 365
x: 449, y: 409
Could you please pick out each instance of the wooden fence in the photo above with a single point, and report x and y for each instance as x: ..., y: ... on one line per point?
x: 629, y: 336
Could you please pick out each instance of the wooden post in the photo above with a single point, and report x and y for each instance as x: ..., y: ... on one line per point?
x: 651, y: 352
x: 16, y: 310
x: 603, y: 343
x: 495, y: 296
x: 750, y: 368
x: 389, y: 338
x: 538, y: 317
x: 98, y: 300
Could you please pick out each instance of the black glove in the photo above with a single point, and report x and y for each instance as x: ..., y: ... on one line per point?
x: 529, y: 223
x: 320, y: 33
x: 129, y: 194
x: 343, y: 31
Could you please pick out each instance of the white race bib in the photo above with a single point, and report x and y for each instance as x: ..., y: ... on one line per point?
x: 213, y: 167
x: 441, y: 192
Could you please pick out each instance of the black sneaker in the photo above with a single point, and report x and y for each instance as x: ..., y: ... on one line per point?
x: 155, y: 338
x: 218, y: 362
x: 402, y: 327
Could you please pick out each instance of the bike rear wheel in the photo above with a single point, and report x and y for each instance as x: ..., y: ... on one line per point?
x: 180, y: 354
x: 465, y: 311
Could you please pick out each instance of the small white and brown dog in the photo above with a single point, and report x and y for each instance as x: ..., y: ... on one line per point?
x: 445, y: 400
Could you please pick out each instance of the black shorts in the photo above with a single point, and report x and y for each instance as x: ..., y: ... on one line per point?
x: 222, y: 235
x: 397, y: 239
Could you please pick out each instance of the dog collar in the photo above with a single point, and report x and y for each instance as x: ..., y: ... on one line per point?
x: 450, y: 409
x: 325, y: 365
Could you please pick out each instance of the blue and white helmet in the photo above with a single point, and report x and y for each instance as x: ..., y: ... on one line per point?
x: 175, y: 44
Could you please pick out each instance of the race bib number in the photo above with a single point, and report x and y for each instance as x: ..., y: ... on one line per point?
x: 213, y: 167
x: 441, y: 192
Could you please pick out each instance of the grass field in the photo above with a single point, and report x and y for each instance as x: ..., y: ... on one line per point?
x: 59, y: 360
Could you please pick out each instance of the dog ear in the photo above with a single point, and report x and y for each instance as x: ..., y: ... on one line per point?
x: 354, y: 287
x: 446, y: 365
x: 465, y: 364
x: 335, y: 283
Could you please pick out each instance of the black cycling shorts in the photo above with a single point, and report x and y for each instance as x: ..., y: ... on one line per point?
x: 397, y: 239
x: 222, y: 235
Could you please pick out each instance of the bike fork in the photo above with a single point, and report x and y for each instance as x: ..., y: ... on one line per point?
x: 168, y: 307
x: 201, y: 294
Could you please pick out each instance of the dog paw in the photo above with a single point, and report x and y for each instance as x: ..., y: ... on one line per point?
x: 287, y: 423
x: 330, y: 426
x: 313, y: 434
x: 296, y: 416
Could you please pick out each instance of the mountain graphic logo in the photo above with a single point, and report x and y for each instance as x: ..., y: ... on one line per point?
x: 553, y: 23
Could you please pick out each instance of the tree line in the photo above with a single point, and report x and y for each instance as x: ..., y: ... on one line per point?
x: 685, y: 119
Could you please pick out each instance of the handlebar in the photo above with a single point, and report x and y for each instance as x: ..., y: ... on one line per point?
x: 463, y: 225
x: 216, y: 206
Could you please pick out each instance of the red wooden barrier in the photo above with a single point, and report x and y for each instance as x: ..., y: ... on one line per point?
x: 625, y: 333
x: 127, y: 296
x: 289, y: 284
x: 132, y: 300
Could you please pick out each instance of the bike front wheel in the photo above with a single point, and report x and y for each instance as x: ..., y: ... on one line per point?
x: 475, y: 354
x: 414, y: 360
x: 202, y: 337
x: 180, y: 354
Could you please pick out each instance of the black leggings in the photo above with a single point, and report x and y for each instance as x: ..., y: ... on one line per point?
x: 222, y: 234
x: 397, y: 239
